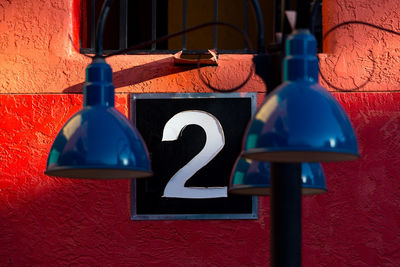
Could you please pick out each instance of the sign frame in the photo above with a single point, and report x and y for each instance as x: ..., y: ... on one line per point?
x: 223, y: 216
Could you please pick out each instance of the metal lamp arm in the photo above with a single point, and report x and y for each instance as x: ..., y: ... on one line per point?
x: 100, y: 27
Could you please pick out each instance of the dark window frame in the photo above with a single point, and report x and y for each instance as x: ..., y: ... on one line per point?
x: 89, y: 16
x: 122, y: 38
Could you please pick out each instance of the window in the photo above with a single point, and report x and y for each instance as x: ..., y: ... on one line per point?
x: 131, y: 22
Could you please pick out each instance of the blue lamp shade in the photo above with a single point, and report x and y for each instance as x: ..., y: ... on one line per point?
x: 300, y: 121
x: 253, y: 178
x: 98, y: 142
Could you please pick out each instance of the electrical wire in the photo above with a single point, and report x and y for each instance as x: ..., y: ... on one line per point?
x: 355, y: 22
x: 166, y: 37
x: 226, y: 90
x: 261, y: 46
x: 359, y: 23
x: 147, y: 43
x: 354, y: 88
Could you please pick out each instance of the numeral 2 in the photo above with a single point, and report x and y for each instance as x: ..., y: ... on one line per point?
x: 215, y: 141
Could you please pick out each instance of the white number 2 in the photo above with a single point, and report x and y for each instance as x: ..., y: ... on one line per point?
x: 215, y: 141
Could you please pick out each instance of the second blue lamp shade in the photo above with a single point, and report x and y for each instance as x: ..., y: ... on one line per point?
x: 300, y: 121
x: 253, y: 178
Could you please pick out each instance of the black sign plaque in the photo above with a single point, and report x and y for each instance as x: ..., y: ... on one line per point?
x: 193, y: 142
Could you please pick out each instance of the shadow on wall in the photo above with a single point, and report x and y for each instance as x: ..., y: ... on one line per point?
x: 139, y: 74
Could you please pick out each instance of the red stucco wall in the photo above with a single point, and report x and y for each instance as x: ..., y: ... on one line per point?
x: 47, y: 221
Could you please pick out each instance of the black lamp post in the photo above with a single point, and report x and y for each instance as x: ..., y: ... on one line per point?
x: 298, y: 122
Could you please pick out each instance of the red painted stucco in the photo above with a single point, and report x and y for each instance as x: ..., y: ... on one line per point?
x: 55, y: 222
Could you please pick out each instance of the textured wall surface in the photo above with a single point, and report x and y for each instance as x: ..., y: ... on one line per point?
x: 358, y: 57
x: 49, y: 221
x: 56, y: 222
x: 357, y: 223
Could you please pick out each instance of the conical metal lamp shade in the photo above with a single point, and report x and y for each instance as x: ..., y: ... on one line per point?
x: 300, y: 121
x: 253, y: 178
x: 98, y: 142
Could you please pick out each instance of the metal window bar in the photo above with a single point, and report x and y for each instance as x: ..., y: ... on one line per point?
x: 184, y: 24
x: 123, y: 24
x: 246, y: 21
x: 215, y: 37
x: 153, y: 23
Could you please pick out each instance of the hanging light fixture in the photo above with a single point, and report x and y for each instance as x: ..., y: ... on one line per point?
x: 253, y: 178
x: 98, y: 142
x: 300, y: 121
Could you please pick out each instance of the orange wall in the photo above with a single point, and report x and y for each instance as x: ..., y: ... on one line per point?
x: 361, y: 58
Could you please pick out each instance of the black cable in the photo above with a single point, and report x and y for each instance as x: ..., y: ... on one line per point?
x: 354, y: 88
x: 356, y: 22
x: 166, y: 37
x: 360, y: 23
x: 227, y: 90
x: 147, y: 43
x: 302, y: 22
x: 103, y: 16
